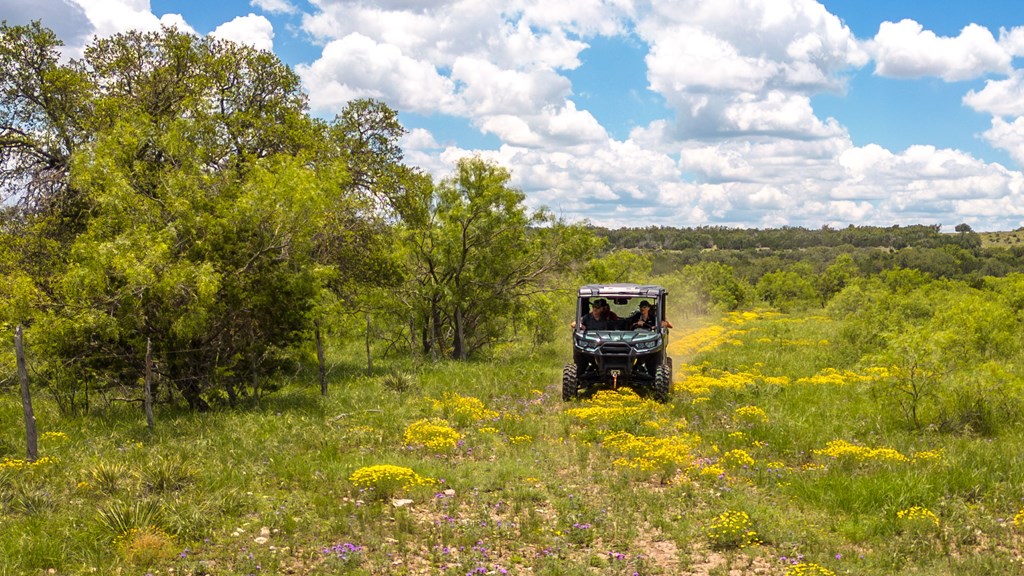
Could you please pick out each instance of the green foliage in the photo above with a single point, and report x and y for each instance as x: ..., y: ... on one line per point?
x: 201, y: 225
x: 617, y: 266
x: 717, y: 285
x: 935, y: 336
x: 478, y: 255
x: 837, y: 276
x: 44, y: 109
x: 918, y: 369
x: 785, y: 238
x: 788, y: 289
x: 210, y: 213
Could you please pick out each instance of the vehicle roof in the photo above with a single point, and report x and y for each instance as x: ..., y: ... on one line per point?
x: 621, y: 289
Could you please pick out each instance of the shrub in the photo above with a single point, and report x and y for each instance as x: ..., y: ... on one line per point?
x: 398, y: 382
x: 147, y: 546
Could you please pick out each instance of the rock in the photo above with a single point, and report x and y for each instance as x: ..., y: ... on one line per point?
x: 400, y: 502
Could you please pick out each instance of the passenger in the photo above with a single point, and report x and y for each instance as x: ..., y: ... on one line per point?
x: 646, y: 318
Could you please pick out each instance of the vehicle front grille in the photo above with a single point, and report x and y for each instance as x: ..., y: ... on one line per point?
x: 615, y: 349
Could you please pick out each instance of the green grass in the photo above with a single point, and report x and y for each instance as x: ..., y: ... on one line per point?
x: 265, y: 489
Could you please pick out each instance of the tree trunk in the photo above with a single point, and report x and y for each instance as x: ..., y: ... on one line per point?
x: 459, y: 345
x: 412, y: 335
x: 320, y: 358
x: 254, y: 371
x: 31, y: 440
x: 147, y: 397
x: 436, y: 347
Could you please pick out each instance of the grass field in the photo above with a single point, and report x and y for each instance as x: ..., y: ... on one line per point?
x: 776, y: 455
x: 1002, y: 239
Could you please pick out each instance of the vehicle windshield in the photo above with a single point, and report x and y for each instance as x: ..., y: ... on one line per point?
x: 622, y: 308
x: 631, y: 307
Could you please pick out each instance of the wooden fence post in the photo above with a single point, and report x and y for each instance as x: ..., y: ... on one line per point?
x: 147, y: 398
x: 31, y: 440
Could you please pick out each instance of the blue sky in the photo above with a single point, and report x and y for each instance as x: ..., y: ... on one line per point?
x: 754, y: 113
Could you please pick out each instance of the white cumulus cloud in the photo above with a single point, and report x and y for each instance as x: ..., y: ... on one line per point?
x: 111, y: 17
x: 275, y: 6
x: 252, y: 30
x: 1000, y: 97
x: 742, y: 66
x: 358, y: 67
x: 905, y: 49
x: 1008, y: 136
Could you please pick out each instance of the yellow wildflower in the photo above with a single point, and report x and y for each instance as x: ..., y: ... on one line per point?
x: 463, y: 410
x: 386, y: 480
x: 843, y: 450
x: 737, y: 459
x: 750, y: 415
x: 435, y: 434
x: 732, y: 529
x: 808, y: 569
x: 917, y: 517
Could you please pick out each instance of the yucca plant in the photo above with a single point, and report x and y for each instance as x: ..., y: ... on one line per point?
x: 110, y: 477
x: 120, y: 518
x: 167, y: 474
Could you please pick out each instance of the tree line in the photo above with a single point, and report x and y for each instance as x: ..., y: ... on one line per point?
x: 788, y: 237
x: 174, y: 189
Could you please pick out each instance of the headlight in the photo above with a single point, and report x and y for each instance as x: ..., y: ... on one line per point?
x: 648, y: 344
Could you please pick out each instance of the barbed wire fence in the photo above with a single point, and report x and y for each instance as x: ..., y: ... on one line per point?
x: 151, y: 376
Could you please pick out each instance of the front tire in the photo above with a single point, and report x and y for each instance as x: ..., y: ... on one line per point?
x: 662, y: 383
x: 570, y: 382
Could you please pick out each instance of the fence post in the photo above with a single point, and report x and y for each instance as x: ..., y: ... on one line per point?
x: 31, y: 441
x: 147, y: 398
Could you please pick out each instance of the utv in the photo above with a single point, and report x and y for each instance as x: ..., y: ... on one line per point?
x: 609, y: 349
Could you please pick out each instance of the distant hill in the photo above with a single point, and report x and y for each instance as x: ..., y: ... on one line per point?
x: 753, y: 252
x: 1002, y: 239
x: 787, y: 237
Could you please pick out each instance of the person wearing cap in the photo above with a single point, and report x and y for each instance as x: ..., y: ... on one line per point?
x: 600, y: 317
x: 646, y: 318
